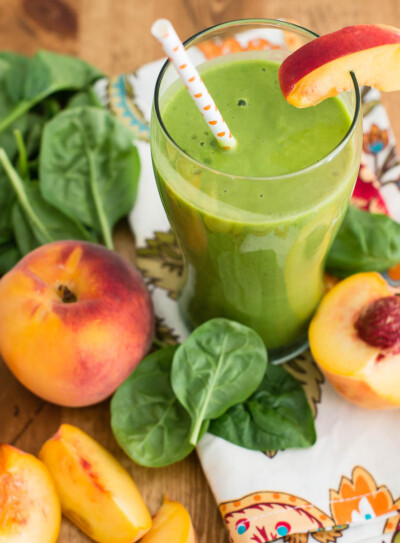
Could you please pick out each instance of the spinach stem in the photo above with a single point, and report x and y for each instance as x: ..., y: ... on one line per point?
x: 19, y: 109
x: 107, y: 235
x: 158, y: 343
x: 23, y: 157
x: 18, y: 186
x: 195, y: 432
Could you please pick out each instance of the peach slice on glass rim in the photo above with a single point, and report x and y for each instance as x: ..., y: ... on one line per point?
x: 29, y: 506
x: 355, y: 340
x: 321, y: 68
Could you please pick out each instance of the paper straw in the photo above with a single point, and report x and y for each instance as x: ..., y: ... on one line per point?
x: 165, y: 33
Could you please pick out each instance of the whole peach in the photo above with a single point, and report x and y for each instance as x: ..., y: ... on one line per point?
x: 75, y: 320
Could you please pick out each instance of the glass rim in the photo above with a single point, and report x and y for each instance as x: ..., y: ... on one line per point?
x: 272, y: 22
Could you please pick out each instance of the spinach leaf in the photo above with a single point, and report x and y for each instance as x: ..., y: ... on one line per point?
x: 23, y: 123
x: 365, y: 242
x: 219, y: 365
x: 89, y: 167
x: 276, y: 416
x: 7, y: 60
x: 86, y: 97
x: 16, y: 73
x: 9, y: 256
x: 7, y: 198
x: 46, y: 223
x: 29, y: 81
x: 24, y: 236
x: 147, y: 420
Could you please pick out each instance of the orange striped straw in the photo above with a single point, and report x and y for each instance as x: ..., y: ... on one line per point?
x: 165, y: 33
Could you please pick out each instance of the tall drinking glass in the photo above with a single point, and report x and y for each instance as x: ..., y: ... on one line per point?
x: 254, y: 246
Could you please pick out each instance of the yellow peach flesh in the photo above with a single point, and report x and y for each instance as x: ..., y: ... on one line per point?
x: 373, y: 67
x: 171, y: 524
x: 29, y: 506
x: 96, y: 492
x: 364, y: 374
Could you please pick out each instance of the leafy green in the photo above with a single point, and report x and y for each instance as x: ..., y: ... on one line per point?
x: 24, y: 234
x: 30, y: 80
x: 148, y: 422
x: 276, y: 416
x: 7, y: 199
x: 46, y: 223
x: 9, y: 256
x: 219, y: 365
x: 18, y: 66
x: 86, y: 97
x: 33, y: 92
x: 89, y: 167
x: 217, y: 379
x: 365, y: 242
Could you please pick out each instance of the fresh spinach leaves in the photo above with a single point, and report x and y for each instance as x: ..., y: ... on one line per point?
x: 89, y: 167
x: 276, y: 416
x: 46, y: 223
x: 9, y: 256
x: 147, y: 420
x: 219, y: 365
x: 29, y: 80
x: 365, y: 242
x: 86, y: 170
x: 217, y: 378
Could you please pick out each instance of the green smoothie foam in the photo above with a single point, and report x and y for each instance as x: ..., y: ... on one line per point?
x: 274, y: 138
x: 254, y: 247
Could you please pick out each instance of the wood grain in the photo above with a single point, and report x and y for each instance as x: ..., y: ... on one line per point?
x: 114, y: 35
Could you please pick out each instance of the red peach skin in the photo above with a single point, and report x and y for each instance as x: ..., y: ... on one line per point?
x: 75, y: 320
x: 321, y: 68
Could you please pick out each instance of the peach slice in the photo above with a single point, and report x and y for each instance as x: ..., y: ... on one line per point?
x: 171, y: 524
x: 321, y: 68
x: 29, y: 506
x: 96, y: 492
x: 355, y: 339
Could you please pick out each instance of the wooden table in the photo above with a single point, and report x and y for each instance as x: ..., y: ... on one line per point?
x: 114, y: 35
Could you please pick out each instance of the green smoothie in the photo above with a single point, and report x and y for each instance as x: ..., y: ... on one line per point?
x: 255, y: 223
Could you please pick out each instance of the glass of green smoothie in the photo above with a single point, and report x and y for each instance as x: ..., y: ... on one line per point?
x: 254, y: 223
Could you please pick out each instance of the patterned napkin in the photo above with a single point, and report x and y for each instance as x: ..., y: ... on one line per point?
x: 346, y: 488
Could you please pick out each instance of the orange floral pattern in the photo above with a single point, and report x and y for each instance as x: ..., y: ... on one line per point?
x: 265, y: 516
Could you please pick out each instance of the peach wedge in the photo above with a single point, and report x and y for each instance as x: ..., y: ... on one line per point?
x: 171, y: 524
x: 321, y: 68
x: 29, y: 506
x: 96, y: 492
x: 355, y: 339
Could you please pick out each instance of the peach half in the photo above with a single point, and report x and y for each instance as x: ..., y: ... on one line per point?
x: 75, y: 320
x: 355, y: 339
x: 171, y: 524
x: 29, y: 506
x: 321, y: 68
x: 96, y: 492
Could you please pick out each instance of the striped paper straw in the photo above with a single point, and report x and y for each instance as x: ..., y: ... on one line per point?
x: 165, y: 33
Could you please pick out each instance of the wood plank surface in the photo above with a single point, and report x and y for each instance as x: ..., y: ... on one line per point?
x: 114, y: 35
